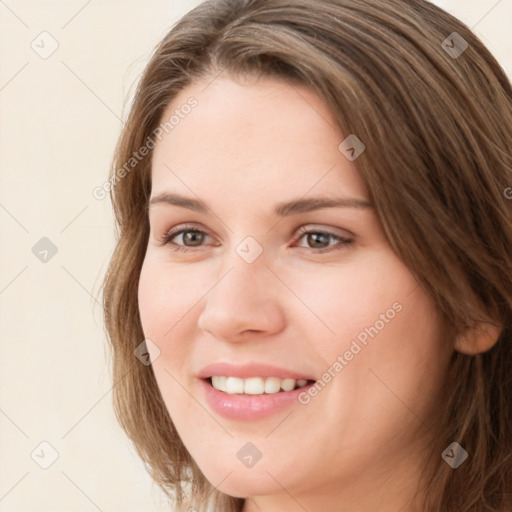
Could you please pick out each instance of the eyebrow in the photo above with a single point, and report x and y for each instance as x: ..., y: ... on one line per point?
x: 293, y: 207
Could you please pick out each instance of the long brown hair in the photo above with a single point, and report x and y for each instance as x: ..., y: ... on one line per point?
x: 434, y: 110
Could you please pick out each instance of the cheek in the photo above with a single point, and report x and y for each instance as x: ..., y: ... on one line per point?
x: 345, y: 300
x: 166, y: 299
x: 386, y: 329
x: 395, y: 357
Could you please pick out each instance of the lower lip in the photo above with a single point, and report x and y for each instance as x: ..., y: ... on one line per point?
x: 249, y: 407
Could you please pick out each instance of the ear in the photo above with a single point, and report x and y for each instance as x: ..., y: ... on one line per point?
x: 478, y: 339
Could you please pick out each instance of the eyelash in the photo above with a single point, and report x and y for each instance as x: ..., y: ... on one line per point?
x: 166, y: 238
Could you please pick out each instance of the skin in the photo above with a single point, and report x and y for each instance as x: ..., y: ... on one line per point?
x: 358, y: 445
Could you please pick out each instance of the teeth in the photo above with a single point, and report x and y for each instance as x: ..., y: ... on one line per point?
x: 272, y: 385
x: 219, y: 383
x: 287, y: 384
x: 234, y: 385
x: 255, y: 385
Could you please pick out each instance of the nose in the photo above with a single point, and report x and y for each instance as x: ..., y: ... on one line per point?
x: 244, y: 303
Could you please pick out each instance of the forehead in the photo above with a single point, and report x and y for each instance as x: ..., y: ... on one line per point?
x: 260, y: 138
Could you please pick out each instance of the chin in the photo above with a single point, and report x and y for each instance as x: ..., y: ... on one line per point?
x: 243, y: 482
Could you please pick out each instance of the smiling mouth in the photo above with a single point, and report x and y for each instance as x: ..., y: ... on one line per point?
x: 255, y: 385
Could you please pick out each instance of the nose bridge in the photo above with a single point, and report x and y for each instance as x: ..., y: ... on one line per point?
x: 246, y: 267
x: 241, y: 282
x: 242, y: 298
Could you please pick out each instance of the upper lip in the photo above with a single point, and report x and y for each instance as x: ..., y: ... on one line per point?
x: 245, y: 371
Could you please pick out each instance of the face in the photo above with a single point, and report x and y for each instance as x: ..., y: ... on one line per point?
x: 265, y: 293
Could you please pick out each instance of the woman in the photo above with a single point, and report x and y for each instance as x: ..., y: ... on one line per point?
x: 310, y: 300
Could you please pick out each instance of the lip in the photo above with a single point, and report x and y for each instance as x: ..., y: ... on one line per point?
x: 248, y: 407
x: 245, y: 371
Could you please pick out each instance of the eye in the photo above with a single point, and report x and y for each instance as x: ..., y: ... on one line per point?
x: 318, y: 240
x: 190, y: 237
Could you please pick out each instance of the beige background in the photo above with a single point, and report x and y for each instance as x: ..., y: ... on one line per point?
x: 60, y: 117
